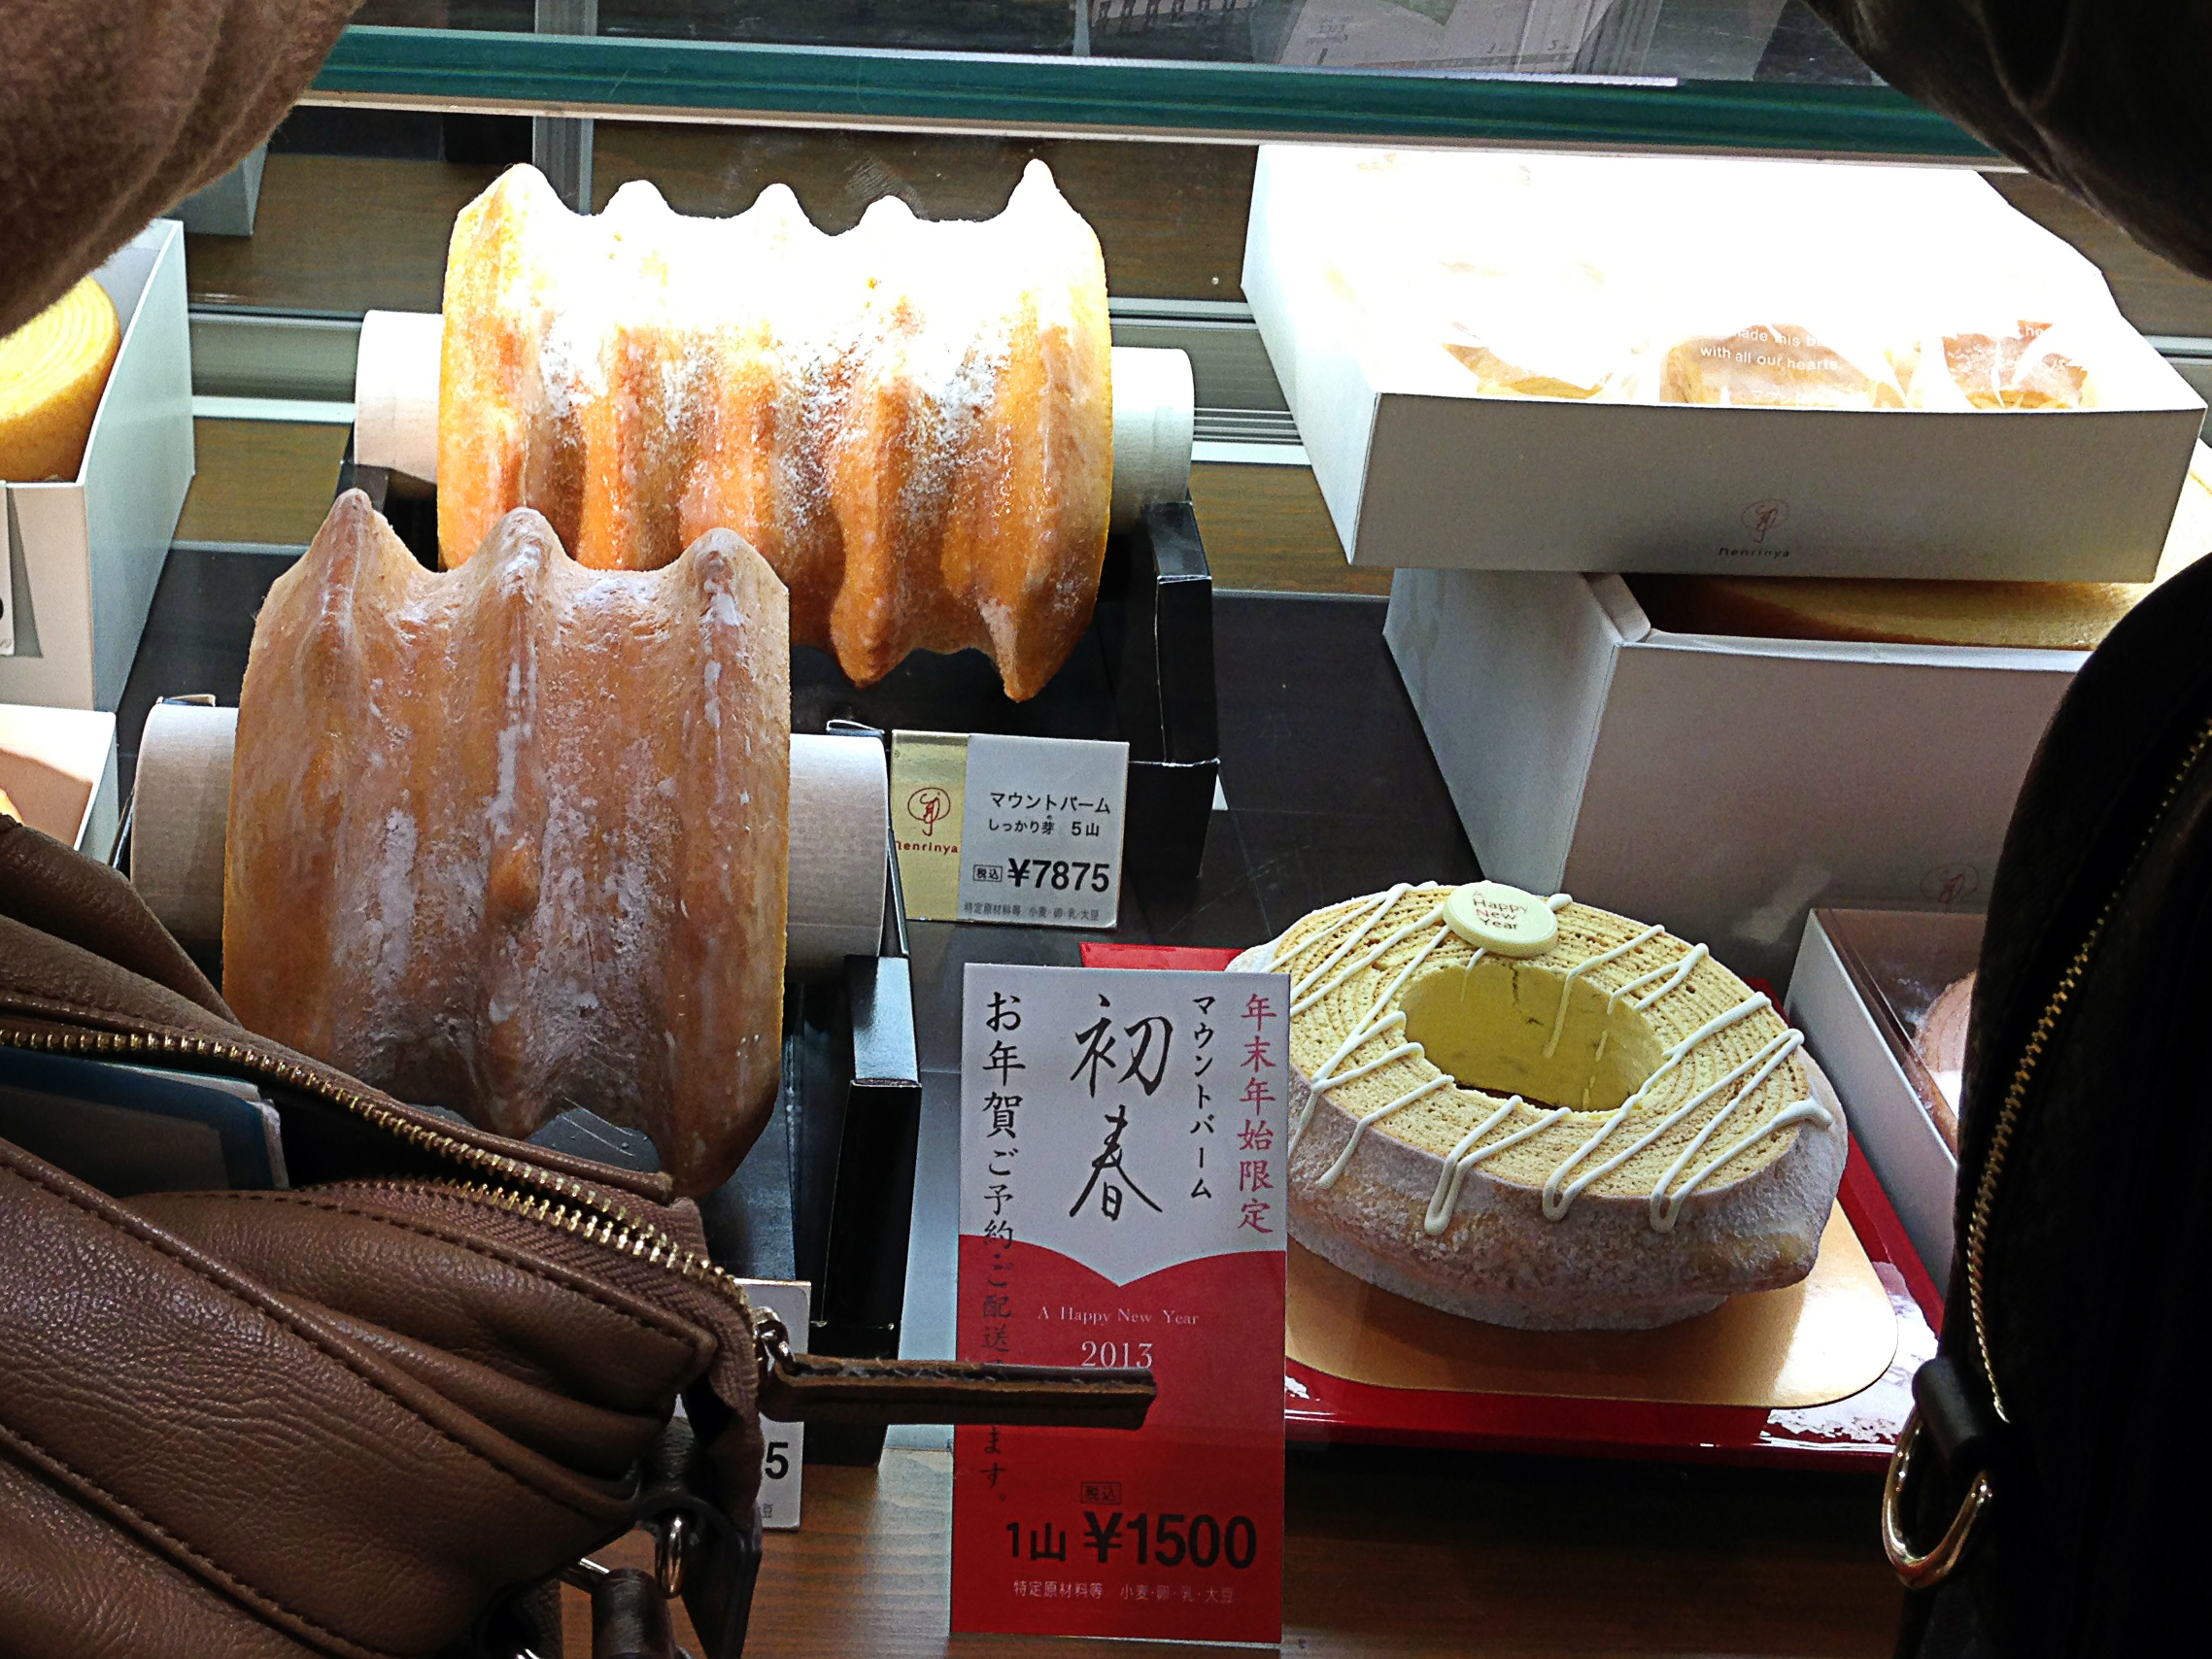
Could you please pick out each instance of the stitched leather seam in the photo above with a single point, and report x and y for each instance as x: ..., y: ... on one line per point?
x: 477, y: 1246
x: 285, y: 1321
x: 257, y: 1602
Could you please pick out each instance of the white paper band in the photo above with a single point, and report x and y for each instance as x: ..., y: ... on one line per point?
x: 182, y: 815
x: 1153, y: 409
x: 395, y: 392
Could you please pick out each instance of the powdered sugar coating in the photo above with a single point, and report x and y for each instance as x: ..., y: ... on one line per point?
x: 514, y: 838
x: 912, y: 421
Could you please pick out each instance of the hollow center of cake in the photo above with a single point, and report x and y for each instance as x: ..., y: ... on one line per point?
x: 1492, y: 1026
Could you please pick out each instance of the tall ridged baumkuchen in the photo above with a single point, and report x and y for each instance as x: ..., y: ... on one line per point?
x: 513, y: 838
x: 1537, y: 1113
x: 912, y: 421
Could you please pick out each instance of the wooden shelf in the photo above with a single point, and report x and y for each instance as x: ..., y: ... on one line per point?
x: 1410, y: 1554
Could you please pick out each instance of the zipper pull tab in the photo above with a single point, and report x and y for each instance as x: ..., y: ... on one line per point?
x: 825, y: 1388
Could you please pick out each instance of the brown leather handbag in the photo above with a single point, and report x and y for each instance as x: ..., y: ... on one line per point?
x: 378, y: 1413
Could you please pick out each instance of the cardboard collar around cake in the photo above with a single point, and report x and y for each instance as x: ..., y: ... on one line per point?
x: 1605, y: 1129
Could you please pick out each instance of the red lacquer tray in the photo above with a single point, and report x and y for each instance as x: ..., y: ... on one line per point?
x: 1860, y: 1430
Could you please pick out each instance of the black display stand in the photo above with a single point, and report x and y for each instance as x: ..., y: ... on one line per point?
x: 851, y: 1101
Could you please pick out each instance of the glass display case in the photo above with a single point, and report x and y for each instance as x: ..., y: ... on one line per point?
x: 1300, y: 737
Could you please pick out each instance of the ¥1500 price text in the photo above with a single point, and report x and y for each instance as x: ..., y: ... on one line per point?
x: 1164, y: 1540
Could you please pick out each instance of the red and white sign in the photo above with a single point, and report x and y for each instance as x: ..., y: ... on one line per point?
x: 1123, y: 1202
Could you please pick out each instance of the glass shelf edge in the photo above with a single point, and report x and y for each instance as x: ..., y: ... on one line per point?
x: 620, y: 77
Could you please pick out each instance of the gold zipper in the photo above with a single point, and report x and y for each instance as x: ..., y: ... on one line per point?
x: 562, y: 1202
x: 2016, y: 1095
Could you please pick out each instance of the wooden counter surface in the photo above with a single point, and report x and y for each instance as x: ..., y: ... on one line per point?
x: 1403, y: 1553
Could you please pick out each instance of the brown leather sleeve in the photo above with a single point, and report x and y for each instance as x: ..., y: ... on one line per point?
x: 76, y: 1585
x: 2107, y: 101
x: 253, y: 1447
x: 59, y: 892
x: 438, y: 1282
x: 111, y: 111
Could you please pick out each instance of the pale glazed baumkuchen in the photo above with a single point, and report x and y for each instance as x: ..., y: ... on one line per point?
x: 1606, y: 1130
x: 52, y: 373
x: 912, y: 421
x: 512, y: 838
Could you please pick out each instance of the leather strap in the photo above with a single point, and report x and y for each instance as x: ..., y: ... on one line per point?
x: 629, y: 1617
x: 821, y: 1388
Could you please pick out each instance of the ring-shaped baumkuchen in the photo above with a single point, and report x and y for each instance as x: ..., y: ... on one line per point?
x: 1537, y: 1113
x: 912, y: 421
x: 513, y: 837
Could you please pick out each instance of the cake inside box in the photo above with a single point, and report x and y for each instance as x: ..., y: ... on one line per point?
x: 1596, y: 278
x: 1914, y: 971
x: 2050, y: 616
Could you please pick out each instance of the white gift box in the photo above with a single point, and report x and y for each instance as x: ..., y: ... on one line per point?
x: 1722, y: 785
x: 58, y: 767
x: 1861, y: 978
x: 1363, y: 268
x: 83, y: 557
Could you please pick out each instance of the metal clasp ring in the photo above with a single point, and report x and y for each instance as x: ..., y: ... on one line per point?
x: 1924, y: 1571
x: 671, y: 1543
x: 772, y: 1342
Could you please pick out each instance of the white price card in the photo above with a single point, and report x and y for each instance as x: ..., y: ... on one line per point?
x: 1040, y: 831
x: 1123, y: 1202
x: 784, y: 1456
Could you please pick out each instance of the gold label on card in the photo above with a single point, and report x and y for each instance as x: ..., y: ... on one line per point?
x: 929, y: 792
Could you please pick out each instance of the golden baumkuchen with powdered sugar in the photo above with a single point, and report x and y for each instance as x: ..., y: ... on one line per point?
x: 912, y: 421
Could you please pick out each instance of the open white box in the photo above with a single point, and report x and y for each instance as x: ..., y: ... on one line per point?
x: 1722, y: 785
x: 1348, y: 267
x: 58, y: 767
x: 85, y: 555
x: 1837, y: 997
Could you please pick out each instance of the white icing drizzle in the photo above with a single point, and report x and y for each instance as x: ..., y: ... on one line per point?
x: 1435, y: 1085
x: 1772, y: 1054
x: 1467, y: 1154
x: 1372, y: 1025
x: 1567, y: 980
x: 1378, y: 906
x: 1680, y: 972
x: 1559, y: 1192
x: 1664, y: 1209
x: 1360, y: 964
x: 1797, y: 1112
